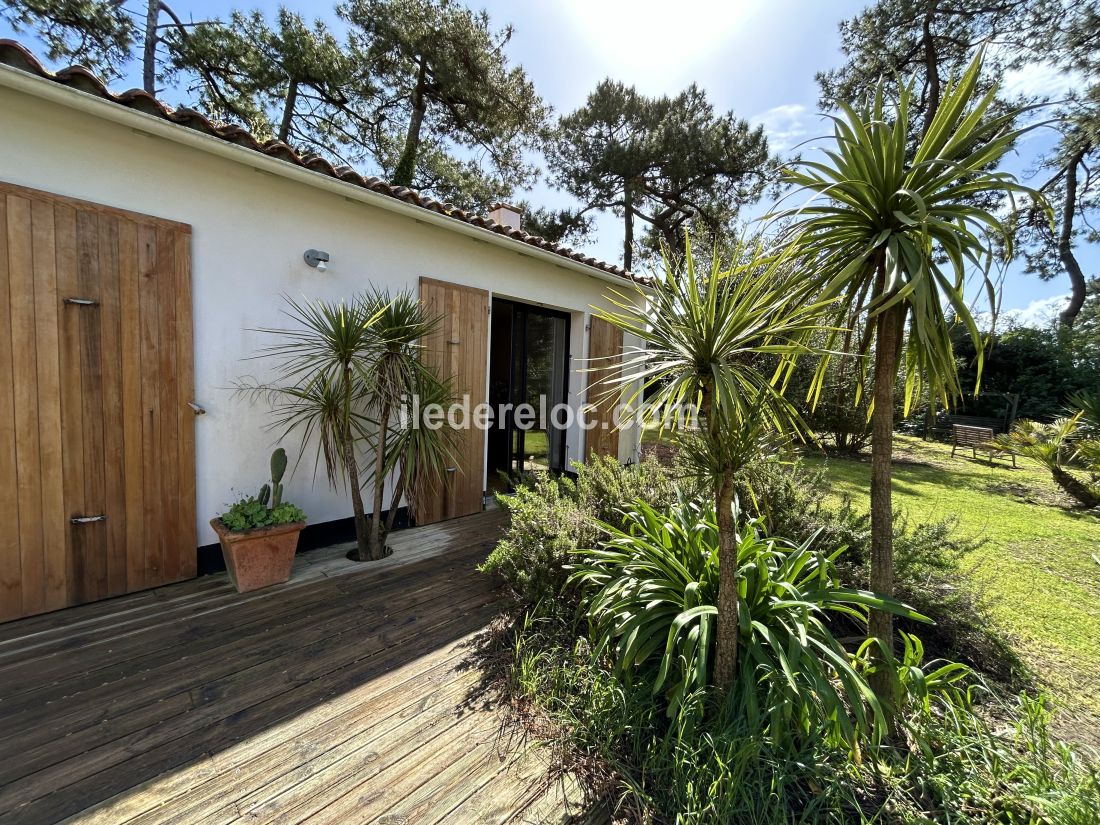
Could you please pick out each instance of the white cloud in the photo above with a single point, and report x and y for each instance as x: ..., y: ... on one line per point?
x: 1038, y: 313
x: 788, y: 125
x: 1039, y: 79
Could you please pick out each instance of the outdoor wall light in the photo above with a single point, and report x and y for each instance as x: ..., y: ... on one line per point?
x: 317, y: 259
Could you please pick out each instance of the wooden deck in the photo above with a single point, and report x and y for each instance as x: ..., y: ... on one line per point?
x: 346, y: 695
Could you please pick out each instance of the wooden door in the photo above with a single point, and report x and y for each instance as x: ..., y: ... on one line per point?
x: 97, y: 496
x: 458, y: 349
x: 605, y: 348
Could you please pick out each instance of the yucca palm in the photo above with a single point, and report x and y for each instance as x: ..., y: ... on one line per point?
x: 893, y: 241
x: 396, y: 371
x: 320, y: 388
x: 706, y: 334
x: 419, y: 453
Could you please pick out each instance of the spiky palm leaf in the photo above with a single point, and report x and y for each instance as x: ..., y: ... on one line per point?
x: 320, y: 382
x: 707, y: 330
x: 706, y: 337
x: 651, y: 592
x: 903, y: 231
x: 891, y: 236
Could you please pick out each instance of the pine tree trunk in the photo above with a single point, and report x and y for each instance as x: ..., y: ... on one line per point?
x: 406, y: 167
x: 377, y: 540
x: 1065, y: 247
x: 931, y: 67
x: 149, y: 55
x: 628, y: 225
x: 881, y: 625
x: 288, y: 111
x: 725, y: 657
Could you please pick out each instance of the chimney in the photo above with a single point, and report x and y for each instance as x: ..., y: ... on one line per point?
x: 506, y: 215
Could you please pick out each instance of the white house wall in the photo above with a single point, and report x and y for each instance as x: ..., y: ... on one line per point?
x: 250, y: 229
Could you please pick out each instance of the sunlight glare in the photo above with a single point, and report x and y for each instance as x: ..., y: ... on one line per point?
x: 653, y: 43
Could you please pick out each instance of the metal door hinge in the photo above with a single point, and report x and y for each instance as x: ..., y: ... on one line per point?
x: 195, y: 408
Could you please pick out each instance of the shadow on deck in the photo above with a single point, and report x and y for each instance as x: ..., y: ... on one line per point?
x: 345, y: 695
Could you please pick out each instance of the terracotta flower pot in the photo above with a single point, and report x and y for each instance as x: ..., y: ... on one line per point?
x: 258, y: 558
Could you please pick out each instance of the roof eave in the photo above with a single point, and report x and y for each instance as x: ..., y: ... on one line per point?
x: 78, y: 100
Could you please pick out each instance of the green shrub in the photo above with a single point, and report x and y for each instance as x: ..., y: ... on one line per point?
x: 249, y: 512
x: 551, y: 516
x: 628, y: 711
x: 696, y: 769
x: 651, y: 588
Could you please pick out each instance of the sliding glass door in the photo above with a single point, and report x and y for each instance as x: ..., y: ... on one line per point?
x: 528, y: 378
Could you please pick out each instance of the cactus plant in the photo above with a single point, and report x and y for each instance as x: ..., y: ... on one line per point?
x: 264, y: 495
x: 278, y: 468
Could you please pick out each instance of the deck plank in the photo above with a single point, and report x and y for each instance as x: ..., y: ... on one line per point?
x: 347, y: 695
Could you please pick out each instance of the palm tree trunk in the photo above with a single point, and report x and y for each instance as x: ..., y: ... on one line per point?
x: 395, y: 500
x: 1075, y: 488
x: 725, y: 658
x: 377, y: 547
x: 361, y: 532
x: 881, y: 625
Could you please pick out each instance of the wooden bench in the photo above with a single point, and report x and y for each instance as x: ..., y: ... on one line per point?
x: 974, y: 439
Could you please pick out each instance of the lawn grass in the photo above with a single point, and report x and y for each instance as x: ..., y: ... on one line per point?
x: 1037, y: 564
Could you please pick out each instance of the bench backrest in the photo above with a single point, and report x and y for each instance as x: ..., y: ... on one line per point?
x: 971, y: 436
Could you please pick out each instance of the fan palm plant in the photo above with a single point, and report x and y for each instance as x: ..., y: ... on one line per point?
x: 1088, y: 405
x: 320, y: 389
x: 1055, y: 446
x: 396, y: 372
x: 893, y: 243
x: 706, y: 334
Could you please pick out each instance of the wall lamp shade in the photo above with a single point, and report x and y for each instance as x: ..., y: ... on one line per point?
x: 317, y: 259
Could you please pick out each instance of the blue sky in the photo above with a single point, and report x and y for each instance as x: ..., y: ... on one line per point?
x: 756, y: 57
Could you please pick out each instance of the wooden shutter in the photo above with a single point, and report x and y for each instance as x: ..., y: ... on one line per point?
x: 605, y: 348
x: 96, y: 372
x: 458, y: 349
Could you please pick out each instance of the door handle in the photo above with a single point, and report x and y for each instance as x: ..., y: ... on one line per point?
x: 87, y: 519
x: 195, y: 408
x: 81, y: 302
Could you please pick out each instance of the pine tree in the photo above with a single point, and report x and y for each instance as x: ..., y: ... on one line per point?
x: 98, y: 34
x: 455, y: 116
x: 665, y: 162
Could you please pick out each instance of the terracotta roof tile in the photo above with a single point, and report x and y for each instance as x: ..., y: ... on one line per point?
x: 16, y: 56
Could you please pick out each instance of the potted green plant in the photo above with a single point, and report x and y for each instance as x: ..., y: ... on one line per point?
x: 258, y: 542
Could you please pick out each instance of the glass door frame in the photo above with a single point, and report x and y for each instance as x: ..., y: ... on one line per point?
x: 517, y: 383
